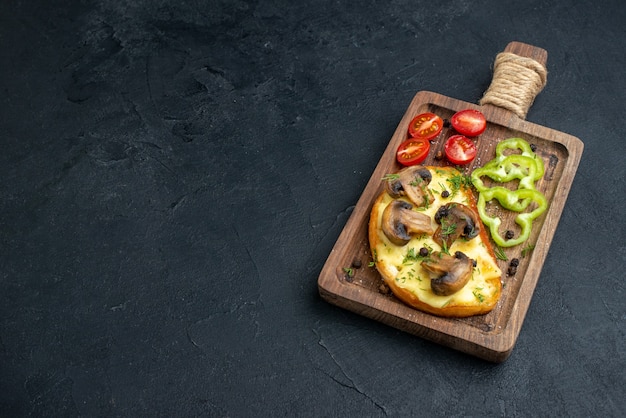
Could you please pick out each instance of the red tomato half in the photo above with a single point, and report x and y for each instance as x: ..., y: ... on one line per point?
x: 426, y: 126
x: 460, y: 150
x: 413, y: 151
x: 469, y: 122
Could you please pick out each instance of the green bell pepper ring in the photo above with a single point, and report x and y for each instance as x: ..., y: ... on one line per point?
x: 523, y: 146
x: 515, y: 166
x: 524, y: 220
x: 509, y: 199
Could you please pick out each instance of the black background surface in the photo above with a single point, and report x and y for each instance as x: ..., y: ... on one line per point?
x: 173, y: 176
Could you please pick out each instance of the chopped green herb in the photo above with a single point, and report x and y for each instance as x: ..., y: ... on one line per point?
x: 390, y: 177
x: 447, y: 228
x: 417, y: 181
x: 499, y: 252
x: 478, y: 295
x: 458, y: 181
x: 412, y: 256
x: 444, y: 248
x: 527, y: 250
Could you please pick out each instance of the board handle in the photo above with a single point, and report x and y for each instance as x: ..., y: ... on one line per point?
x: 519, y: 75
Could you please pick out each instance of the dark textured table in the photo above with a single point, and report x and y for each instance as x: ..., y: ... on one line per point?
x: 174, y: 175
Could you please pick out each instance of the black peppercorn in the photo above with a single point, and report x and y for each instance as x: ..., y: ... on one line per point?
x: 423, y: 252
x: 509, y: 234
x: 445, y: 194
x: 512, y: 267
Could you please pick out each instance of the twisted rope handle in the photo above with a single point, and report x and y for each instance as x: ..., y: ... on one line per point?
x: 516, y: 82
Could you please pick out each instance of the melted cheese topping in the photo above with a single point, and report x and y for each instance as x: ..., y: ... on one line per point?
x: 403, y: 264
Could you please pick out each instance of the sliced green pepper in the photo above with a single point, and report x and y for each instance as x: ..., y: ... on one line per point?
x: 524, y: 147
x: 509, y: 199
x: 521, y: 167
x: 526, y: 167
x: 524, y: 220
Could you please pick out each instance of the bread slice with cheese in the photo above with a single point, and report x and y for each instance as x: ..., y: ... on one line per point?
x: 429, y: 244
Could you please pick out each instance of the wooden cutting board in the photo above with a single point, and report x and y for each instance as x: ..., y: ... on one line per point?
x: 491, y: 336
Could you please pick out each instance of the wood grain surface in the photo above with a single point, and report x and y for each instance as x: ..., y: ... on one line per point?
x: 491, y: 336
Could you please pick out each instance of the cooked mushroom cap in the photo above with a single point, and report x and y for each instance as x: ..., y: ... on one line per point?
x: 451, y: 272
x: 400, y: 222
x: 455, y: 220
x: 412, y: 182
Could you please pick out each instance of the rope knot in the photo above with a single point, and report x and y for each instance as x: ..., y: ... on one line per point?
x: 515, y: 84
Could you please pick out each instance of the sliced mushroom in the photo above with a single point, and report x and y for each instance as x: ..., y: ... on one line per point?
x: 455, y: 220
x: 400, y: 222
x: 412, y: 182
x: 451, y: 273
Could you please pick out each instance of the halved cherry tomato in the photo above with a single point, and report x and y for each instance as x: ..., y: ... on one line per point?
x: 460, y: 149
x: 413, y: 151
x: 469, y: 122
x: 426, y: 126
